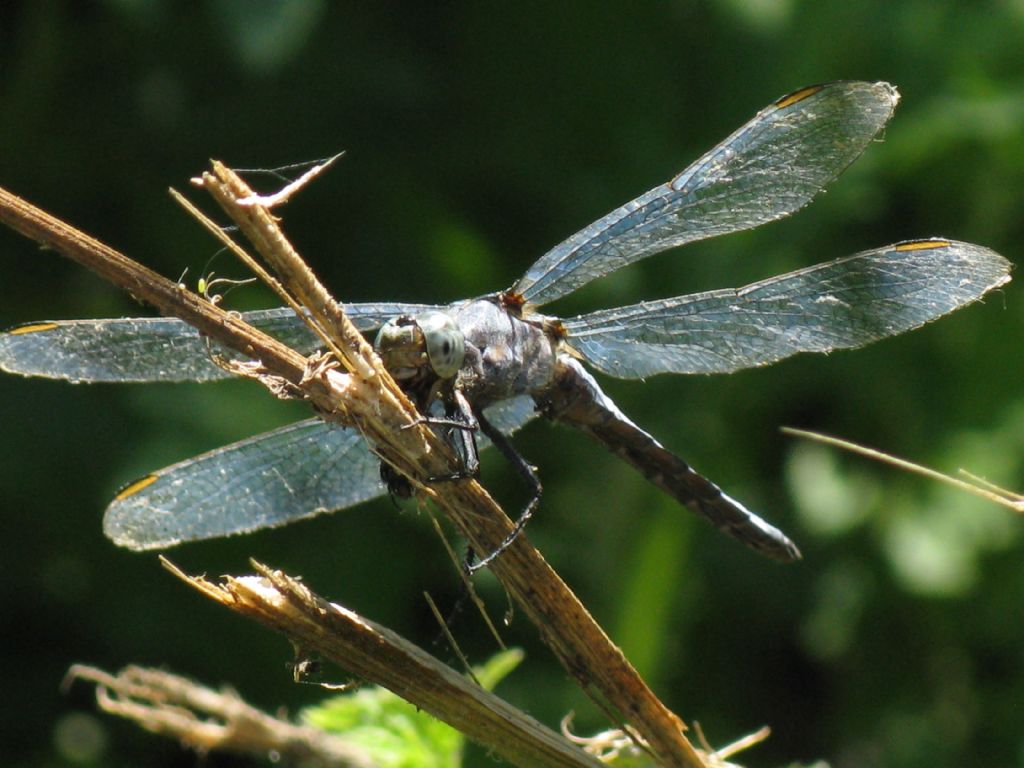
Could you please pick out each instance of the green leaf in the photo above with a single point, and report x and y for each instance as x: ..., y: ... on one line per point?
x: 393, y: 732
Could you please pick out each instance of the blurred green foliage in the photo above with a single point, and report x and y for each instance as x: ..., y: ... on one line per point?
x: 479, y: 135
x: 391, y: 731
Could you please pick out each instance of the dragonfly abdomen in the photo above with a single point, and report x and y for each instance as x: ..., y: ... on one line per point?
x: 576, y: 399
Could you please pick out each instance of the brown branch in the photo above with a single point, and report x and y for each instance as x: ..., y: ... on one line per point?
x: 382, y: 657
x: 566, y: 626
x: 146, y: 285
x: 261, y: 229
x: 380, y: 410
x: 205, y: 719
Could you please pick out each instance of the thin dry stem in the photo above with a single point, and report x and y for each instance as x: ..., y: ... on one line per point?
x: 376, y: 406
x: 261, y: 228
x: 578, y: 641
x: 382, y: 657
x: 974, y: 485
x: 205, y: 719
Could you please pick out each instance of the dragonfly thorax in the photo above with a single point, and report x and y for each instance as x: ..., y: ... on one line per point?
x: 506, y: 355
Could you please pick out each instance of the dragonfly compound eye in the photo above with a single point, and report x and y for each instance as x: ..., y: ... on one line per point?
x: 400, y: 345
x: 445, y: 346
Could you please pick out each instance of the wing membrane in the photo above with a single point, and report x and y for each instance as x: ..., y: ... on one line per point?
x: 150, y: 349
x: 841, y: 304
x: 266, y: 481
x: 766, y: 170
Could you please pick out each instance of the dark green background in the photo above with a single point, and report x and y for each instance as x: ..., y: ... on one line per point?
x: 479, y: 135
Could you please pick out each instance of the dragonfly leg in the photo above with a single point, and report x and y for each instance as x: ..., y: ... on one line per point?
x: 460, y: 425
x: 438, y: 421
x: 529, y: 475
x: 459, y: 429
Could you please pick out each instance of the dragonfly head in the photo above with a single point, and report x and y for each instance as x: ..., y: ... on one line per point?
x: 408, y: 344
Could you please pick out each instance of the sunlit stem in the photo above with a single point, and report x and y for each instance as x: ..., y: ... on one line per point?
x: 974, y: 484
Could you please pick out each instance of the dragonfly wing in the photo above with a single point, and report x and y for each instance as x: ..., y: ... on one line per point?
x: 269, y: 480
x: 766, y: 170
x: 576, y: 399
x: 153, y: 349
x: 840, y: 304
x: 371, y: 316
x: 509, y: 415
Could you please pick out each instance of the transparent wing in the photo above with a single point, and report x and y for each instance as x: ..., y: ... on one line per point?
x: 152, y: 349
x: 509, y: 415
x: 841, y: 304
x: 269, y: 480
x: 768, y: 169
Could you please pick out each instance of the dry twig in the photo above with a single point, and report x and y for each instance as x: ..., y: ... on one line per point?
x: 365, y: 396
x: 377, y: 654
x: 205, y: 719
x: 974, y: 485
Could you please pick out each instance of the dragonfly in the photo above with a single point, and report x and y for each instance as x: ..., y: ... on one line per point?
x: 499, y: 362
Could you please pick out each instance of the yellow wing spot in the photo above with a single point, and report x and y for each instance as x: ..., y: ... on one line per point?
x: 793, y: 98
x: 132, y: 488
x: 33, y: 328
x: 922, y: 245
